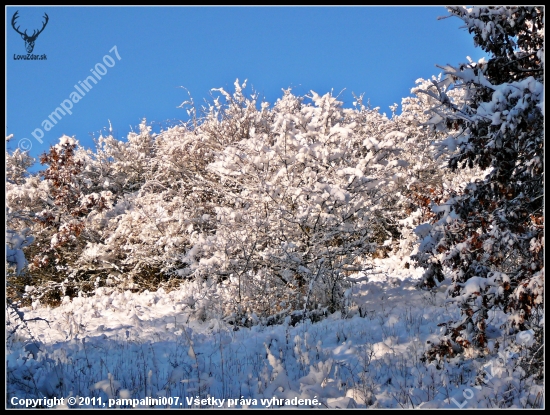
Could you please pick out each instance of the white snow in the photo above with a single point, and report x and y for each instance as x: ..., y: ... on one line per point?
x: 153, y: 345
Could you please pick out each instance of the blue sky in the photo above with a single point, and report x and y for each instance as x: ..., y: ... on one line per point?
x: 378, y: 51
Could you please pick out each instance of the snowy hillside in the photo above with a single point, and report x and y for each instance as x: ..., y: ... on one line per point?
x: 296, y: 254
x: 147, y: 346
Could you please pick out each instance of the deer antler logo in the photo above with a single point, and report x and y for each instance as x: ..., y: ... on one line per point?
x: 29, y: 40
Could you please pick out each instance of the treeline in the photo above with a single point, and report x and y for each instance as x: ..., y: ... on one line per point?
x: 272, y: 209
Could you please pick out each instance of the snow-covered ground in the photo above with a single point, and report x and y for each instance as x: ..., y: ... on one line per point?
x: 154, y: 349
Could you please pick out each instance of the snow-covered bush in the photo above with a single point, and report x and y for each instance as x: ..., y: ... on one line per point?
x: 307, y: 190
x: 279, y: 204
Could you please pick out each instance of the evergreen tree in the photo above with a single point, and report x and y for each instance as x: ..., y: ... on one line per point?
x: 491, y: 235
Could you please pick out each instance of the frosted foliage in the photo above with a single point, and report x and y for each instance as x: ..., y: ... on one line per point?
x: 303, y: 192
x: 279, y: 203
x: 490, y: 235
x: 292, y: 251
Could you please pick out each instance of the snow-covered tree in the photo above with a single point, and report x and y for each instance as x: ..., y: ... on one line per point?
x: 23, y: 192
x: 58, y: 206
x: 306, y: 200
x: 491, y: 235
x: 426, y: 150
x: 17, y: 223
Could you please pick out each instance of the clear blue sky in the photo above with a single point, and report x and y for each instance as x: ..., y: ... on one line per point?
x: 378, y: 51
